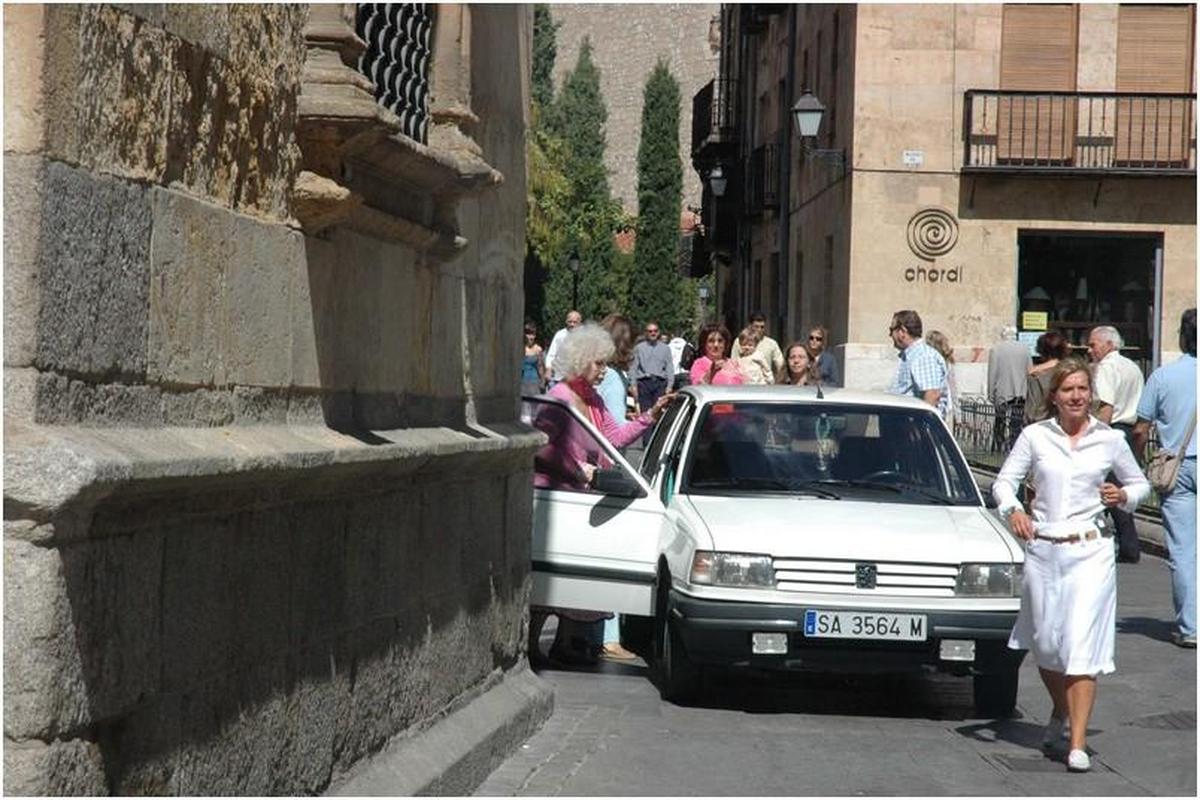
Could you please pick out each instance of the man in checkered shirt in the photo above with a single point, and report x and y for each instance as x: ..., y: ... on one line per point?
x: 922, y: 371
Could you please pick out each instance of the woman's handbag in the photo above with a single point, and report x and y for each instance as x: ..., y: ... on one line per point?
x: 1164, y: 466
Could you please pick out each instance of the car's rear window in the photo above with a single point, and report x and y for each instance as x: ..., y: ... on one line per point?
x: 874, y: 453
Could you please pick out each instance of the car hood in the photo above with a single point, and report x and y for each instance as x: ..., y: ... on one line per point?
x: 805, y: 527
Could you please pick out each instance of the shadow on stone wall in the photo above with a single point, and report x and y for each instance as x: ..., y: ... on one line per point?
x: 1146, y: 201
x: 259, y: 639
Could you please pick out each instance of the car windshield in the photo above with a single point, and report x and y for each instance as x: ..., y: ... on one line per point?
x: 872, y: 453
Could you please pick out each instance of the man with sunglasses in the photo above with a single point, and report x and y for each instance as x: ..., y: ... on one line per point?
x: 653, y: 369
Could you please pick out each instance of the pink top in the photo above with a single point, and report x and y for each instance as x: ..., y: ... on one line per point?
x: 727, y: 375
x: 557, y: 464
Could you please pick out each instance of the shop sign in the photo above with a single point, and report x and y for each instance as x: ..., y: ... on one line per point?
x: 1034, y: 320
x: 932, y: 233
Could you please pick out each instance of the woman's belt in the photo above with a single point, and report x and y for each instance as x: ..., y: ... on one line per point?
x: 1072, y: 532
x: 1071, y: 538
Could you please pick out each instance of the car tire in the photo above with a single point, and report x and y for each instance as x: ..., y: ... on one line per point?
x: 679, y: 680
x: 996, y: 693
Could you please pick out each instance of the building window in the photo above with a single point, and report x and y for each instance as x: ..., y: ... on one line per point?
x: 1154, y: 57
x: 397, y: 60
x: 1038, y: 52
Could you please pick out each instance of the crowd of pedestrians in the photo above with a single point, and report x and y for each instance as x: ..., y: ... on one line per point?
x: 1075, y: 455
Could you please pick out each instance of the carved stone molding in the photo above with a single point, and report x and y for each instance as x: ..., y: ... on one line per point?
x: 358, y: 169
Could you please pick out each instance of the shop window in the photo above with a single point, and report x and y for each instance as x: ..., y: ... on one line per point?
x: 1154, y: 57
x: 1038, y: 53
x: 1073, y: 282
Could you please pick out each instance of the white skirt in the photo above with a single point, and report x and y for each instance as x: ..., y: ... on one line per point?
x: 1069, y: 606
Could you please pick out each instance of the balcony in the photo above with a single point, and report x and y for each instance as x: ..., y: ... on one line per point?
x: 1084, y: 133
x: 763, y: 189
x: 712, y: 118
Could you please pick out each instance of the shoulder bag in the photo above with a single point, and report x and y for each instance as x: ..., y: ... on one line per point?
x: 1164, y: 466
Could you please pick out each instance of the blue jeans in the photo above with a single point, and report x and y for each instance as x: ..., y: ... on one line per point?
x: 612, y: 627
x: 1179, y: 519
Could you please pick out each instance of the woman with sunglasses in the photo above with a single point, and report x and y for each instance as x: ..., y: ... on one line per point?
x: 826, y: 364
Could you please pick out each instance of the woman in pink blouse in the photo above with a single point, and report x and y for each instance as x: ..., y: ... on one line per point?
x: 715, y: 366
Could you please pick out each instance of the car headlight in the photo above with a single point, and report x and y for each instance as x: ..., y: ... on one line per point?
x: 732, y: 569
x: 989, y: 580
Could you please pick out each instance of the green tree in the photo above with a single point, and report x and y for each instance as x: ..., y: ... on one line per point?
x: 656, y: 290
x: 594, y: 217
x: 545, y: 49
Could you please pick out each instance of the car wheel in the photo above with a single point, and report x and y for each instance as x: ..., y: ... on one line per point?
x: 679, y: 679
x: 996, y: 693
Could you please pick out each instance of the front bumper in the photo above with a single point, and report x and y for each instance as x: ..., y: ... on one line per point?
x: 719, y: 632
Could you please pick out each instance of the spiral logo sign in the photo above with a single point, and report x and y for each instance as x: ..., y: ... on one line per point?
x: 932, y: 232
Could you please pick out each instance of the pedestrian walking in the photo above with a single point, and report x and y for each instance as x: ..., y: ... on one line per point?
x: 801, y: 369
x: 533, y: 366
x: 767, y: 346
x: 653, y: 368
x: 1051, y: 347
x: 753, y: 364
x: 940, y: 342
x: 1118, y: 387
x: 826, y: 364
x: 574, y: 320
x: 715, y: 365
x: 921, y: 372
x: 682, y: 354
x: 615, y: 387
x: 1007, y: 372
x: 1069, y: 592
x: 583, y: 358
x: 1169, y: 403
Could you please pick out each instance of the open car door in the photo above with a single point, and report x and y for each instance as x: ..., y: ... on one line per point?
x: 594, y: 546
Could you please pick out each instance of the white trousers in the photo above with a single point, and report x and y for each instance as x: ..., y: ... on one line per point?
x: 1069, y: 606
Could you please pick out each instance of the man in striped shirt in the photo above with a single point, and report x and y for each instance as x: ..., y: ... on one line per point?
x: 922, y: 370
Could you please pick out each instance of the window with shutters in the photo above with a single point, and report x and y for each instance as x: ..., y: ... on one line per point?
x: 1038, y: 57
x: 1154, y: 60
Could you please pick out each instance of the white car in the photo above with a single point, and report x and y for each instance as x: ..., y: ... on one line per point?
x: 782, y: 528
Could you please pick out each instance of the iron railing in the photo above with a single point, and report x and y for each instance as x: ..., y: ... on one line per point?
x: 1080, y: 132
x: 764, y: 178
x: 986, y: 432
x: 712, y: 114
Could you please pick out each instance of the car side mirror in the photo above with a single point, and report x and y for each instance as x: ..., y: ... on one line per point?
x: 617, y: 482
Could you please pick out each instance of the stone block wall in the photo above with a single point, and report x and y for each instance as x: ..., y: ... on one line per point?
x: 267, y: 502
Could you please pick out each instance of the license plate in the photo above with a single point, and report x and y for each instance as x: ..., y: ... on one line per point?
x: 864, y: 625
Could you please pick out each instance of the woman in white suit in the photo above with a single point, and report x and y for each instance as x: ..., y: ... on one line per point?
x: 1069, y: 599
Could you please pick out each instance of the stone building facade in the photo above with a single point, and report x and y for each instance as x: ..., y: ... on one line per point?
x: 931, y: 186
x: 267, y: 497
x: 627, y: 41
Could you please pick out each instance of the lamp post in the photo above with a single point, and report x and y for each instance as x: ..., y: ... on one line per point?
x: 717, y: 181
x: 573, y: 265
x: 807, y: 114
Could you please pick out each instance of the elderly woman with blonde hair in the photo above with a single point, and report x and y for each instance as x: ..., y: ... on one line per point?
x: 583, y: 358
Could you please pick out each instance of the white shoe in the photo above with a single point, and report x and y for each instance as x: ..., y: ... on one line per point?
x: 1078, y: 761
x: 1055, y: 733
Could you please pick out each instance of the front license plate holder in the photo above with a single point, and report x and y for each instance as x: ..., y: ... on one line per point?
x: 884, y: 626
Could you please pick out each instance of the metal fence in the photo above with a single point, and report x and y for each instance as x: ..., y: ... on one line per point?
x: 986, y: 432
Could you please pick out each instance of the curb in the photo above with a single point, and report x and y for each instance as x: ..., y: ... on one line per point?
x: 456, y: 755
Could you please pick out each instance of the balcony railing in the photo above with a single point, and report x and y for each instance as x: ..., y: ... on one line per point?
x: 764, y: 178
x: 1080, y: 132
x: 712, y: 114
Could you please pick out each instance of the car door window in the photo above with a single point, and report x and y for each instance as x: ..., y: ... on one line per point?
x: 658, y: 439
x: 558, y: 464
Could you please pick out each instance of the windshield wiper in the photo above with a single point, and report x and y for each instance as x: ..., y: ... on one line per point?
x: 766, y: 483
x: 860, y: 485
x: 928, y: 494
x: 898, y: 488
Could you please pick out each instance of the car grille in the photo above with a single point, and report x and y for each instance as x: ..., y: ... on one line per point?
x: 834, y: 576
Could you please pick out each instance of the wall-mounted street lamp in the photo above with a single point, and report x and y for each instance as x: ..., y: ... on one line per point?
x: 717, y: 181
x: 807, y: 113
x: 573, y: 265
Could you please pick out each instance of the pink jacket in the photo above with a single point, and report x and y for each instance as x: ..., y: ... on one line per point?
x: 557, y: 464
x: 728, y: 375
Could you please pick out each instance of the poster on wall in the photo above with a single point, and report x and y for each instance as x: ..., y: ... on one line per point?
x: 1029, y: 339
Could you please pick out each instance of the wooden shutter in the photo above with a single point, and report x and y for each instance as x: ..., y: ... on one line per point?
x: 1038, y: 52
x: 1154, y: 56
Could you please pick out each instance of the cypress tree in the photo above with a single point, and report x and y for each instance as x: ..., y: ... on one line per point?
x: 656, y: 291
x: 545, y: 49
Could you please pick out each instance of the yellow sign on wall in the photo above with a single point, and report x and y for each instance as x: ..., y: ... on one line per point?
x: 1034, y: 320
